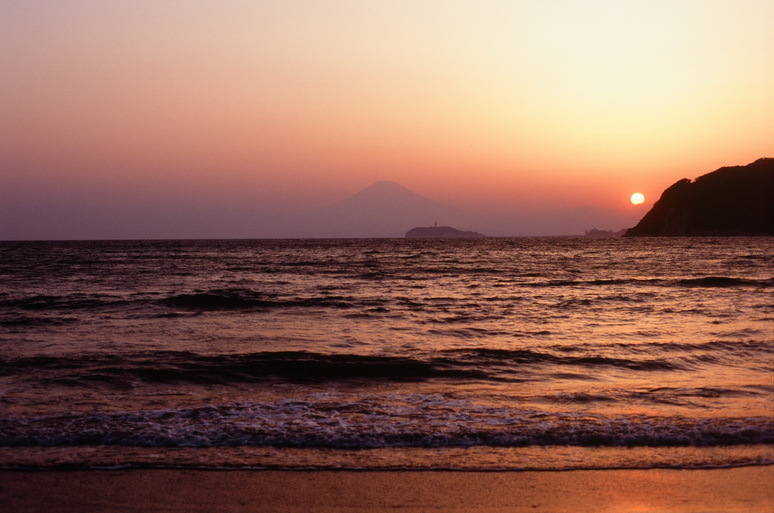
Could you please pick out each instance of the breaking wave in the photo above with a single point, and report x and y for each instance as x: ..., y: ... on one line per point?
x: 415, y: 420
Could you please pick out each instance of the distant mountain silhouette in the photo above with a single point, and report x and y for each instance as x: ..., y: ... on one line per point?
x: 730, y: 201
x: 385, y: 209
x: 440, y: 232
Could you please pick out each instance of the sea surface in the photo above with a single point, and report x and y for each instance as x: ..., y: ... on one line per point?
x: 485, y: 354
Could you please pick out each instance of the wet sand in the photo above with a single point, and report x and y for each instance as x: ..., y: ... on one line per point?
x: 749, y: 490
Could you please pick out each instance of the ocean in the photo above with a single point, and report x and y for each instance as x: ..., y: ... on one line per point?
x: 475, y: 354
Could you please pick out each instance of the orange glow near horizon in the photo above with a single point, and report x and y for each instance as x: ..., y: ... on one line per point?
x: 498, y: 104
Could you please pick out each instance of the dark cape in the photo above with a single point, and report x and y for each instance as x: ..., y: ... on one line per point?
x: 731, y: 201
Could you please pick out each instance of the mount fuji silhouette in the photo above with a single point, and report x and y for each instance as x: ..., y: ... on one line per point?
x: 384, y: 209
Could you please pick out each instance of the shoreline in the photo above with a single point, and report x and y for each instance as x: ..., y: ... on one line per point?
x: 738, y: 489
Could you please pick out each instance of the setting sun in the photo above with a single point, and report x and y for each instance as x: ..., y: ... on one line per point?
x: 637, y: 198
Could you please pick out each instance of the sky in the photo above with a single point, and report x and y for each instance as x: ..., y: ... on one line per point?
x: 138, y: 109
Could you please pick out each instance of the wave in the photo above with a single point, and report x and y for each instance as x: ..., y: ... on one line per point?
x: 482, y: 364
x: 724, y: 281
x: 484, y: 356
x: 461, y: 363
x: 70, y: 302
x: 238, y: 299
x: 707, y: 281
x: 213, y: 300
x: 37, y: 321
x: 577, y: 283
x: 421, y: 421
x: 186, y: 367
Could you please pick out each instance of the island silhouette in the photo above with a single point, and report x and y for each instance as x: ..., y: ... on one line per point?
x: 440, y: 232
x: 730, y: 201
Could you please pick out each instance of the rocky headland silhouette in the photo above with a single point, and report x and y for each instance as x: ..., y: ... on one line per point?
x: 440, y: 232
x: 731, y: 201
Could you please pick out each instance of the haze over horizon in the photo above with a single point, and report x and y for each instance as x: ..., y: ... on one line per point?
x: 203, y: 120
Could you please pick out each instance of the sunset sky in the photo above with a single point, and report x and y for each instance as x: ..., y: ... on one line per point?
x: 283, y: 105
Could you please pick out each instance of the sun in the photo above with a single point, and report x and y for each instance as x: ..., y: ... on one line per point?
x: 637, y: 198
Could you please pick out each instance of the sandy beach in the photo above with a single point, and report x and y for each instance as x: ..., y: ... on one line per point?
x: 748, y: 489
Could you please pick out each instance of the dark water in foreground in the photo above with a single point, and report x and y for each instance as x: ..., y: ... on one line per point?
x: 485, y: 354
